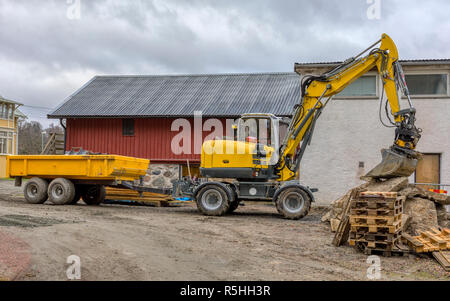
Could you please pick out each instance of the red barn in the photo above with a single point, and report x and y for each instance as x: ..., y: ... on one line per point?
x: 140, y: 115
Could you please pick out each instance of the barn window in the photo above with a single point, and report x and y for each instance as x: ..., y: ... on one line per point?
x: 128, y: 127
x: 427, y: 84
x: 363, y: 86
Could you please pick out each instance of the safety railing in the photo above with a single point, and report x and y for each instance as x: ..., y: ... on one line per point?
x: 439, y: 189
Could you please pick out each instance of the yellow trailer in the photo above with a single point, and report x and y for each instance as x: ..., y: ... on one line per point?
x: 64, y: 179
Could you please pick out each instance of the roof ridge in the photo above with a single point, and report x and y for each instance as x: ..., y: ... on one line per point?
x: 198, y: 74
x: 402, y: 60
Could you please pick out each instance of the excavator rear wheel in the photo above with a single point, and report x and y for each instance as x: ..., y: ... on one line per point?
x: 293, y: 203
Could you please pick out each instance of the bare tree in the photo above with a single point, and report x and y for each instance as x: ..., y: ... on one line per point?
x: 32, y: 136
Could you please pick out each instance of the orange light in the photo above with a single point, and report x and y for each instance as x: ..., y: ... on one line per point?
x: 440, y: 191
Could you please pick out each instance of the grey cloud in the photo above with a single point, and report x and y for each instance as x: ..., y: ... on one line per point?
x: 45, y: 56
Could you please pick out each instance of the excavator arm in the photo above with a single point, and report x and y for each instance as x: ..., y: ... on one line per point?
x: 317, y: 91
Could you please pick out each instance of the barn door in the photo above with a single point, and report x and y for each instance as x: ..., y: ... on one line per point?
x: 428, y: 171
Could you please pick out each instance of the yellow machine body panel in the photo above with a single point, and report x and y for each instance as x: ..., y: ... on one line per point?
x: 234, y: 154
x: 79, y: 167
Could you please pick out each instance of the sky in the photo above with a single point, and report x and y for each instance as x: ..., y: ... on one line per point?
x: 51, y: 48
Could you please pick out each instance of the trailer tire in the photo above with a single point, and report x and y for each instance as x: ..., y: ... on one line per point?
x: 79, y: 189
x: 94, y: 195
x: 36, y: 191
x: 61, y: 191
x: 233, y: 206
x: 293, y: 202
x: 213, y: 199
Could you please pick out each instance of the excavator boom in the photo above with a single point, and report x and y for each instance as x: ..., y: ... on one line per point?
x: 401, y: 158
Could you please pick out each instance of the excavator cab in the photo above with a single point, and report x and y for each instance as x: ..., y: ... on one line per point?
x: 259, y: 128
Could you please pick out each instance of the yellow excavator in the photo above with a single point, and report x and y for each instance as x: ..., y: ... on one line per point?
x: 255, y: 165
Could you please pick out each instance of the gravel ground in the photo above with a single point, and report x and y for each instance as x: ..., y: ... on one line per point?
x: 148, y: 243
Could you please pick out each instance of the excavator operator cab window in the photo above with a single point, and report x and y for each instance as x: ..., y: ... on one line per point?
x: 259, y: 129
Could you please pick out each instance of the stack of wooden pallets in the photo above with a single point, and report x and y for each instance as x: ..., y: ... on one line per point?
x: 376, y: 222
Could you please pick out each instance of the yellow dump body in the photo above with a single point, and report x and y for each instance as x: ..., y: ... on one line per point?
x: 80, y: 167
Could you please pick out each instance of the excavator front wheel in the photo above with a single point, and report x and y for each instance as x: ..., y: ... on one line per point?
x: 213, y: 200
x: 293, y: 202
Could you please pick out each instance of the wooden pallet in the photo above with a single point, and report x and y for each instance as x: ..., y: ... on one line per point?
x: 397, y: 250
x: 369, y: 237
x: 433, y: 240
x: 374, y: 220
x: 374, y: 245
x: 376, y: 204
x: 380, y: 195
x: 377, y: 228
x: 443, y: 257
x: 377, y: 212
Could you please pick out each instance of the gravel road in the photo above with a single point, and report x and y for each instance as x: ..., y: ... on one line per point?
x: 148, y: 243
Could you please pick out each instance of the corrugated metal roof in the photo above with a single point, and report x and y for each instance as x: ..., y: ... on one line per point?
x: 181, y: 95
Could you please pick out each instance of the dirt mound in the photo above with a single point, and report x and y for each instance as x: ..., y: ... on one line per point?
x: 422, y: 209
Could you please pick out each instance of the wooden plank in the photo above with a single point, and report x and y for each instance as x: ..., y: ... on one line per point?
x: 118, y: 194
x: 343, y: 231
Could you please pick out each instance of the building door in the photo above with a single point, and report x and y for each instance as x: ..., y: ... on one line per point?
x: 428, y: 171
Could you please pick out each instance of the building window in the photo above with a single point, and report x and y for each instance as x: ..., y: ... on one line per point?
x: 4, y: 111
x: 427, y: 84
x: 6, y: 140
x: 128, y: 127
x: 363, y: 86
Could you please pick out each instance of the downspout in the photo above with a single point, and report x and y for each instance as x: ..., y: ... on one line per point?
x: 16, y: 130
x: 65, y: 133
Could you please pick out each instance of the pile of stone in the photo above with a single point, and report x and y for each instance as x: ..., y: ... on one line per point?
x: 422, y: 209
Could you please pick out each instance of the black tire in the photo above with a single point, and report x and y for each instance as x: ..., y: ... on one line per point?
x: 233, y: 206
x: 61, y: 191
x: 79, y: 189
x: 213, y: 200
x: 234, y: 203
x: 94, y: 195
x: 36, y: 191
x: 293, y: 203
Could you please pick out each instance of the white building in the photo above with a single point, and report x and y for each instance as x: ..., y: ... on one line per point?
x: 349, y: 135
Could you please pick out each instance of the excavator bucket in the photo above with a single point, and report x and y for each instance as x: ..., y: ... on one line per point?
x: 393, y: 165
